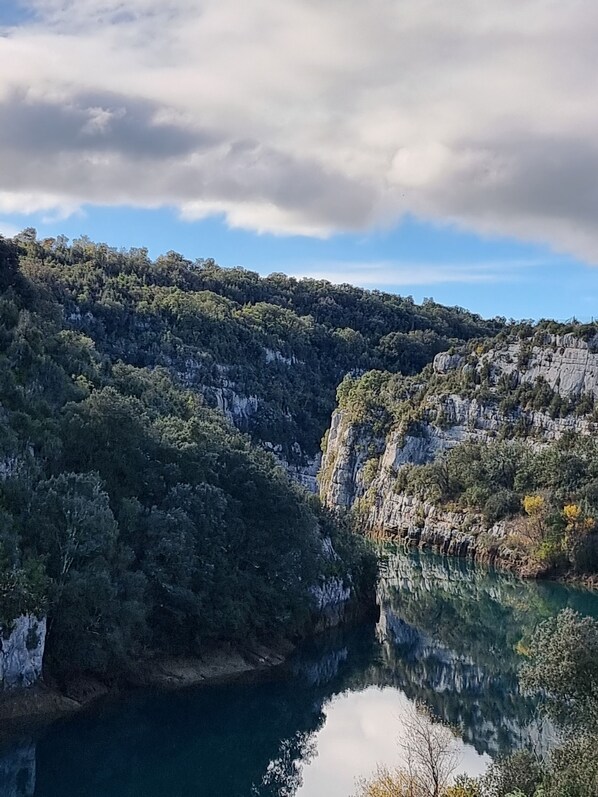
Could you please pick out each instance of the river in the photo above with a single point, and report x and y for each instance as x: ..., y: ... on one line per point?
x: 449, y: 634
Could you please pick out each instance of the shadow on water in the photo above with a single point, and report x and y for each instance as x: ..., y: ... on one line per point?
x: 449, y: 634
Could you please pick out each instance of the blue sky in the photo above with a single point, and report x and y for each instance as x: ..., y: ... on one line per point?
x: 491, y: 276
x: 433, y: 149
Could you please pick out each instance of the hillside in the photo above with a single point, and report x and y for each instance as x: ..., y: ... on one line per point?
x: 136, y: 520
x: 268, y: 352
x: 490, y: 452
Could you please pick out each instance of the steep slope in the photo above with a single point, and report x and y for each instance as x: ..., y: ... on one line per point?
x: 449, y: 457
x: 135, y: 518
x: 268, y: 352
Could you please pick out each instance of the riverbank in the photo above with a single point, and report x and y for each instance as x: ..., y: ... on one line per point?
x: 47, y: 701
x: 494, y: 554
x: 43, y: 703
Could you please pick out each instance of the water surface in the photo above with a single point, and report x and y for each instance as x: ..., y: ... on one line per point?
x: 448, y: 635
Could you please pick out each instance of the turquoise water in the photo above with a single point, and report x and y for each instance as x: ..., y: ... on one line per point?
x: 448, y: 634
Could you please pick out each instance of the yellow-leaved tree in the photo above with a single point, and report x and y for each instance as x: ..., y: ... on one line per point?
x: 579, y: 524
x: 533, y: 505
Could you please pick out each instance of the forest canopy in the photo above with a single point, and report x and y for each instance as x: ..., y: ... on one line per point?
x: 136, y: 516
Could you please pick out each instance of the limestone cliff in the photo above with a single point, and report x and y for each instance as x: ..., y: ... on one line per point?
x: 21, y: 651
x: 536, y: 389
x: 566, y: 362
x: 242, y: 409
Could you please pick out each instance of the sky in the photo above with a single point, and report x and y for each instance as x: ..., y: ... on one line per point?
x: 444, y: 150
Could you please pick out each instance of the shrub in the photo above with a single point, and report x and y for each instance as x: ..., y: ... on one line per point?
x: 501, y: 505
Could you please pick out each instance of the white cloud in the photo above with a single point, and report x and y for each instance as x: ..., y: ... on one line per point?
x: 397, y: 274
x: 309, y: 117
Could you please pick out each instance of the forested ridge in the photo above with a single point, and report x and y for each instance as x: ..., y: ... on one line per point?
x: 133, y: 513
x: 287, y: 342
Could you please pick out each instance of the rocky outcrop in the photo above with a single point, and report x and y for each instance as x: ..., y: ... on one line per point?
x: 423, y: 525
x: 389, y: 513
x: 394, y: 515
x: 566, y: 362
x: 360, y: 469
x: 240, y: 410
x: 306, y: 473
x: 341, y: 478
x: 21, y: 652
x: 302, y: 468
x: 236, y: 407
x: 331, y: 599
x: 273, y: 356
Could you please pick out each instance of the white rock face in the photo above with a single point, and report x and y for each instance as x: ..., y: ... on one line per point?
x: 277, y: 356
x: 236, y: 407
x: 22, y: 651
x: 445, y: 362
x: 9, y: 467
x: 343, y: 480
x: 330, y: 593
x: 567, y: 364
x: 305, y: 474
x: 341, y: 476
x: 331, y: 597
x: 330, y: 600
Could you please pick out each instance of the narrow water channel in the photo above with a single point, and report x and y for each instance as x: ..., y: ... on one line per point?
x: 449, y: 634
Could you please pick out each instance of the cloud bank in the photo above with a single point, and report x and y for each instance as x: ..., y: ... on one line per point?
x: 396, y: 273
x: 309, y: 116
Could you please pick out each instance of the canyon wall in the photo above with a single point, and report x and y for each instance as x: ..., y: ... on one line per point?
x: 362, y: 464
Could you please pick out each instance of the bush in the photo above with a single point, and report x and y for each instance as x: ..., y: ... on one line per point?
x: 501, y: 505
x: 584, y: 554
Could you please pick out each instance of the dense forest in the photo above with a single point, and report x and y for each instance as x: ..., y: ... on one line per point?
x: 132, y: 511
x: 137, y: 517
x: 285, y: 342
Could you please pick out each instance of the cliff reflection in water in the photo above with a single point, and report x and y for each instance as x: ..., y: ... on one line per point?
x: 448, y: 634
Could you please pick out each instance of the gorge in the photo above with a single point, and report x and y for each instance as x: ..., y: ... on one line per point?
x: 193, y: 464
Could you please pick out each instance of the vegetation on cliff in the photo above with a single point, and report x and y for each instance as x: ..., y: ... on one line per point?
x: 501, y: 431
x: 285, y: 342
x: 549, y: 496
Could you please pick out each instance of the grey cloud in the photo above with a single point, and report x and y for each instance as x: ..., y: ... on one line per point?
x: 93, y: 122
x: 48, y: 147
x: 308, y: 115
x: 250, y: 171
x: 545, y: 186
x: 553, y: 177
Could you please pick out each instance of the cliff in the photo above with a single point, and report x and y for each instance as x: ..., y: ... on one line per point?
x: 21, y: 652
x: 505, y: 396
